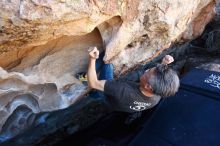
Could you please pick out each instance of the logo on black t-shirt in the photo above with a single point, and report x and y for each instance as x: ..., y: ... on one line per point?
x: 139, y: 106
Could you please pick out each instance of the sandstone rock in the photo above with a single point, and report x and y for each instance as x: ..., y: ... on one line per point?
x: 43, y: 43
x: 159, y: 26
x: 46, y: 74
x: 33, y: 22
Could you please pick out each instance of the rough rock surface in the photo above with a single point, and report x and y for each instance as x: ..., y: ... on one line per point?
x: 43, y: 43
x: 156, y: 23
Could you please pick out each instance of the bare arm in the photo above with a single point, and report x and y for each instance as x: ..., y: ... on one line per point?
x: 91, y: 74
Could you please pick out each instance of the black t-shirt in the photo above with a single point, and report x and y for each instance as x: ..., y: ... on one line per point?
x: 126, y: 96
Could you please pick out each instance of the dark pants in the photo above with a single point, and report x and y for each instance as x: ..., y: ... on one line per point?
x: 105, y: 72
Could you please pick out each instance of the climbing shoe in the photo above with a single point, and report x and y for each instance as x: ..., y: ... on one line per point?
x: 82, y: 77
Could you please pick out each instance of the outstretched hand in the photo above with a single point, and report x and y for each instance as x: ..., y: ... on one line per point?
x: 167, y: 60
x: 93, y: 53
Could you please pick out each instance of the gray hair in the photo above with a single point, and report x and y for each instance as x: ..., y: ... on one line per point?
x: 165, y: 81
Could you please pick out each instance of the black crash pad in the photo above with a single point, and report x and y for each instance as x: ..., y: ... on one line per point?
x: 203, y: 82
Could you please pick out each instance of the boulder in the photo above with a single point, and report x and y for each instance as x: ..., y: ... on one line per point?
x: 43, y: 43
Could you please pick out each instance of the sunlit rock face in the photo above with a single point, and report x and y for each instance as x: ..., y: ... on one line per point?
x: 156, y: 23
x: 43, y: 79
x: 43, y: 43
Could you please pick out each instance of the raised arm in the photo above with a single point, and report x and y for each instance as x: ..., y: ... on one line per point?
x: 91, y: 74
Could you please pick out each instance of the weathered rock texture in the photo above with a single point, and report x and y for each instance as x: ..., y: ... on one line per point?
x: 43, y: 43
x: 157, y: 23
